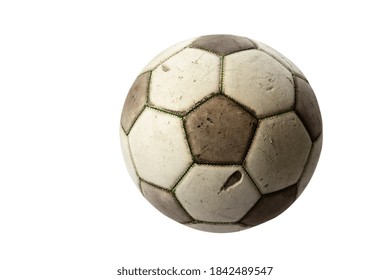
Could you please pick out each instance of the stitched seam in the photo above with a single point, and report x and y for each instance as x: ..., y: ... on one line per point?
x: 133, y: 162
x: 291, y: 186
x: 257, y: 201
x: 267, y: 116
x: 304, y: 168
x: 243, y: 225
x: 165, y: 111
x: 136, y: 118
x: 139, y: 184
x: 223, y: 54
x: 203, y: 49
x: 306, y: 163
x: 212, y: 223
x: 271, y: 116
x: 173, y: 189
x: 301, y: 118
x: 182, y: 114
x: 301, y: 77
x: 143, y: 106
x: 187, y: 139
x: 218, y: 164
x: 155, y: 186
x: 252, y: 181
x: 258, y: 189
x: 247, y: 213
x: 242, y: 106
x: 170, y: 192
x: 295, y: 196
x: 182, y: 207
x: 123, y: 129
x: 254, y: 43
x: 132, y: 159
x: 241, y: 50
x: 251, y: 144
x: 221, y: 73
x: 315, y: 140
x: 307, y: 131
x: 203, y: 100
x: 295, y: 92
x: 148, y: 86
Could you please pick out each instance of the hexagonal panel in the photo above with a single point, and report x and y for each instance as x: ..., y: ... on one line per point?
x: 259, y: 82
x: 307, y: 108
x: 278, y: 153
x: 184, y: 79
x: 135, y: 101
x: 216, y: 193
x: 166, y: 54
x: 223, y: 44
x: 310, y: 165
x: 127, y: 157
x: 217, y: 228
x: 165, y: 202
x: 280, y: 57
x: 270, y: 205
x: 159, y: 147
x: 219, y: 131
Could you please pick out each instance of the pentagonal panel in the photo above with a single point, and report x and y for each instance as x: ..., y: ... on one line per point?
x: 183, y: 80
x: 278, y: 153
x: 269, y: 206
x: 310, y: 165
x: 280, y: 57
x: 223, y: 44
x: 307, y: 108
x: 127, y: 157
x: 218, y: 228
x: 217, y: 193
x: 135, y: 101
x: 164, y: 55
x: 219, y: 131
x: 165, y: 202
x: 259, y: 82
x: 159, y: 147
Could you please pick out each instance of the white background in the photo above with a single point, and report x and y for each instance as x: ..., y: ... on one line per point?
x: 68, y: 209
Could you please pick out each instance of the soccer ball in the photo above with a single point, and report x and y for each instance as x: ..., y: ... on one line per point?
x: 221, y: 133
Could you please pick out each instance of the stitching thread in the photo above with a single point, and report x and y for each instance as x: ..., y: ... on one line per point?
x: 181, y: 177
x: 195, y: 222
x: 306, y: 163
x: 221, y: 73
x: 167, y: 191
x: 247, y: 213
x: 132, y: 160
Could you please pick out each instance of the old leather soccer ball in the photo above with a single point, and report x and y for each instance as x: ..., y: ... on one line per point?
x: 221, y: 133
